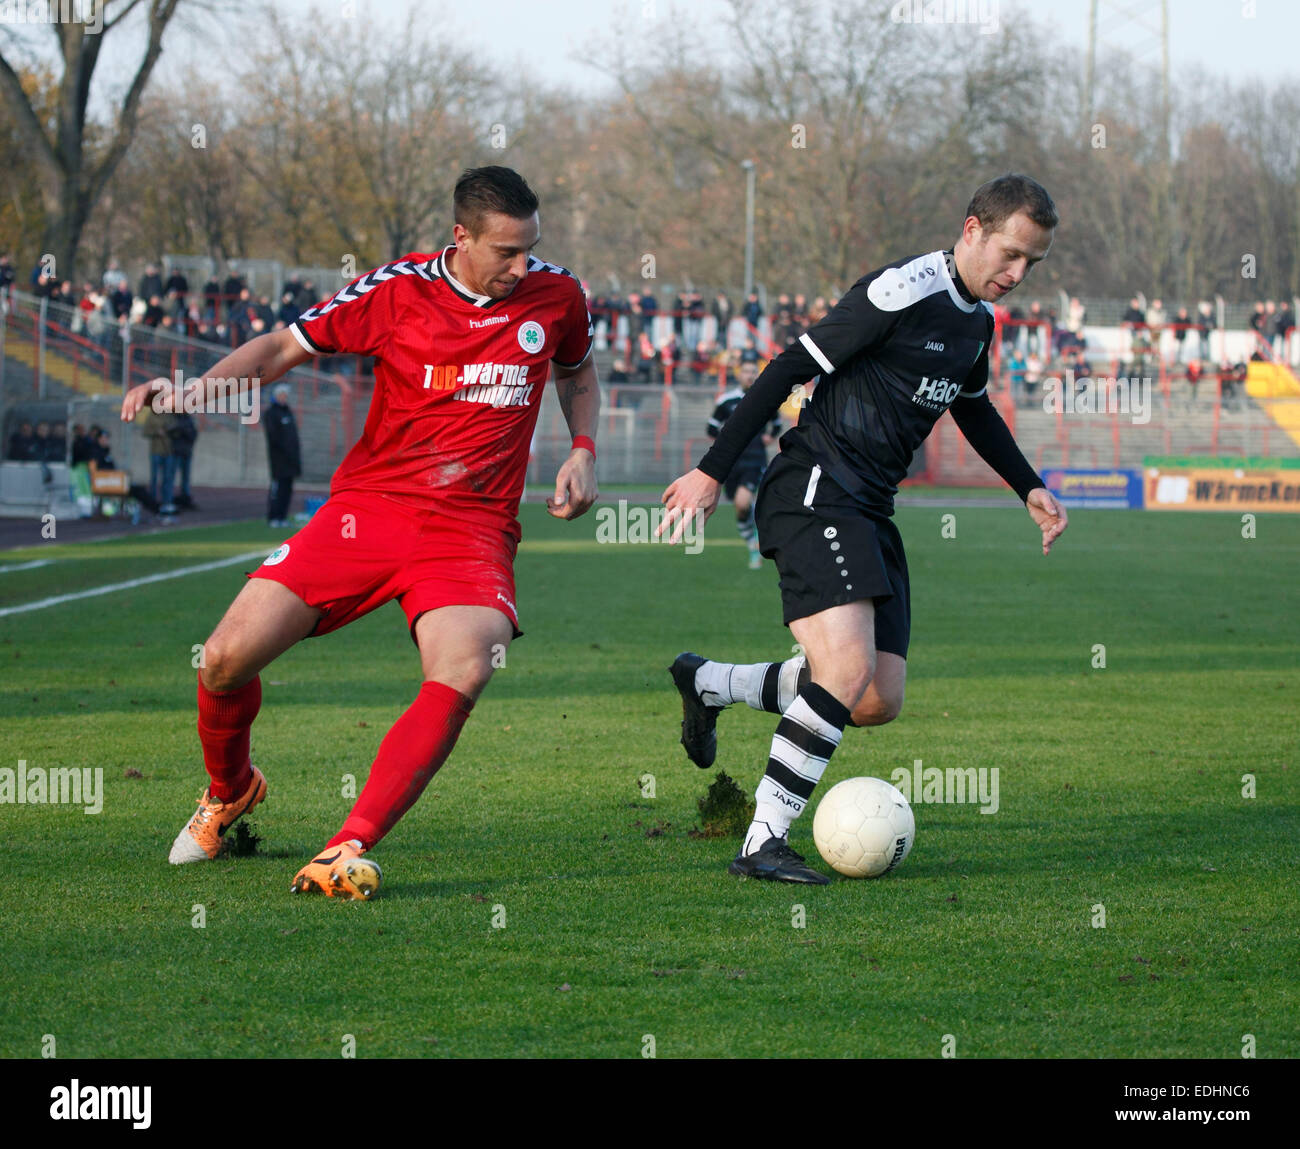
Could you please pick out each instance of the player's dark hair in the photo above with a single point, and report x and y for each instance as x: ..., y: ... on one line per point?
x: 1000, y: 199
x: 491, y: 189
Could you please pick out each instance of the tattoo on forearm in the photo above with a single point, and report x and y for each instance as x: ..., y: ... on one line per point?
x: 567, y: 390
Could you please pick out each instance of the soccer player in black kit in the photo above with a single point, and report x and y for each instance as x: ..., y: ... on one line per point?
x: 906, y: 343
x: 742, y: 481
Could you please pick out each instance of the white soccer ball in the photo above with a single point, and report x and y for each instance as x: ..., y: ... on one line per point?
x: 864, y: 827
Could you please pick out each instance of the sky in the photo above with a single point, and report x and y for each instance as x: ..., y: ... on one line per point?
x: 1259, y: 38
x: 1242, y: 39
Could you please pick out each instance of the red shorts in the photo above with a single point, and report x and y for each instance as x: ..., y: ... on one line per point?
x: 359, y: 551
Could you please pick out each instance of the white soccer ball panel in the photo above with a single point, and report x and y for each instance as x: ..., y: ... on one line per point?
x: 864, y: 827
x: 843, y: 852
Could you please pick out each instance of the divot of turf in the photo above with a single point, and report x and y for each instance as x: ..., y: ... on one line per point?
x: 244, y: 843
x: 725, y: 809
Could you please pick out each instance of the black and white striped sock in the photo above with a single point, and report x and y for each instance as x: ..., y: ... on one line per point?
x: 770, y: 686
x: 805, y: 739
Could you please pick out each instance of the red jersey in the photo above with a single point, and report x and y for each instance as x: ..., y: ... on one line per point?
x: 458, y: 379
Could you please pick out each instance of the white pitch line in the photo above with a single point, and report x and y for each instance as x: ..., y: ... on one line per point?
x: 180, y: 572
x: 31, y: 566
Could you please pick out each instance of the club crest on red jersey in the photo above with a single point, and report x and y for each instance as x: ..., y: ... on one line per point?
x: 531, y: 337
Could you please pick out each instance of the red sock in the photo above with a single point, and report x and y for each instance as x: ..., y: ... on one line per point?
x: 408, y: 758
x: 224, y: 722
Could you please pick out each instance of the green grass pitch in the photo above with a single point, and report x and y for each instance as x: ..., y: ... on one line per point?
x: 538, y: 904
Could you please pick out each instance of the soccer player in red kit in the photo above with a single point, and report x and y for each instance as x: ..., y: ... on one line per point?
x: 423, y: 508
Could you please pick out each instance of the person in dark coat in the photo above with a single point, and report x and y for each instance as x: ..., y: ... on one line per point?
x: 211, y: 299
x: 176, y: 289
x: 103, y: 455
x: 22, y: 444
x: 183, y: 432
x: 83, y: 444
x: 283, y: 455
x: 46, y: 448
x: 289, y: 310
x: 722, y: 314
x: 230, y: 292
x: 150, y: 282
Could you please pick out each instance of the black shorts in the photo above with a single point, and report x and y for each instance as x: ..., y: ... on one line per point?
x: 742, y: 475
x: 829, y: 553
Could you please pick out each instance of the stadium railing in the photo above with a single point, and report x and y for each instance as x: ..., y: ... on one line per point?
x: 650, y: 431
x: 88, y: 379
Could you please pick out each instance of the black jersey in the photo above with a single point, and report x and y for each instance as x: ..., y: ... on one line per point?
x: 754, y: 455
x: 904, y: 345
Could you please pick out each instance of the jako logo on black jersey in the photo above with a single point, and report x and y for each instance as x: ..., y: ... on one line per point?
x: 935, y: 393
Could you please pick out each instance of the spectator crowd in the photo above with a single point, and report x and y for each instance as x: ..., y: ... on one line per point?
x: 652, y: 343
x: 685, y: 354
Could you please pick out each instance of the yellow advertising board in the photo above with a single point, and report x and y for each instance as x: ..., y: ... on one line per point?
x: 1221, y: 489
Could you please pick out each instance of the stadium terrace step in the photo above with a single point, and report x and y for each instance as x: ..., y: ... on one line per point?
x: 1276, y: 390
x: 19, y: 346
x: 1249, y: 427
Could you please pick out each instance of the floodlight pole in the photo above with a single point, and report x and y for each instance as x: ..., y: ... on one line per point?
x: 40, y: 347
x: 125, y: 333
x: 748, y: 165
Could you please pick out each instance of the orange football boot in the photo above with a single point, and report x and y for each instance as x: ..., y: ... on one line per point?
x: 340, y: 872
x: 200, y: 840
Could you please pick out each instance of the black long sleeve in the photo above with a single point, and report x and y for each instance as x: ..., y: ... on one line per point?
x: 853, y: 325
x: 984, y: 429
x: 758, y: 408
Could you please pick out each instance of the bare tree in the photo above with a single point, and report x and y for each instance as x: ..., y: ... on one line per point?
x: 22, y: 212
x: 182, y: 186
x: 280, y: 141
x: 868, y: 136
x: 74, y: 161
x: 400, y: 123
